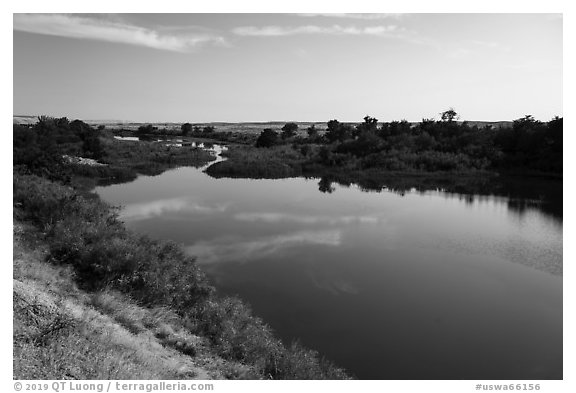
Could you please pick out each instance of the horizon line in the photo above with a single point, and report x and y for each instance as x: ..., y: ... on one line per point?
x: 264, y: 121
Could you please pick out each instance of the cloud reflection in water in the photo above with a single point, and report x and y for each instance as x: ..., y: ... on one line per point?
x: 143, y: 211
x: 310, y: 220
x: 241, y: 250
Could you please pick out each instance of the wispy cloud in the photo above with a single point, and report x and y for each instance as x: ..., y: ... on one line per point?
x: 81, y: 27
x: 353, y: 16
x: 279, y: 31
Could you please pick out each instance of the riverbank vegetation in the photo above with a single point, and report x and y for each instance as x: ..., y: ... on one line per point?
x: 528, y: 147
x: 42, y: 150
x: 140, y: 288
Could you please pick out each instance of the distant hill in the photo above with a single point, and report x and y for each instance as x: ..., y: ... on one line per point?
x: 24, y: 119
x: 495, y: 124
x: 249, y: 127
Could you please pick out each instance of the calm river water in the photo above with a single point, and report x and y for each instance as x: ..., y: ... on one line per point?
x: 418, y: 285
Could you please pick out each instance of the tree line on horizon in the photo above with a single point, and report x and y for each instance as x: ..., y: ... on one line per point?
x: 430, y: 145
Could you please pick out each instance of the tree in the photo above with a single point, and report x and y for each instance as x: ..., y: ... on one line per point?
x: 325, y: 185
x: 208, y: 129
x: 268, y: 138
x: 370, y: 125
x: 366, y: 143
x: 337, y: 131
x: 332, y: 125
x: 449, y: 115
x: 92, y: 147
x: 81, y: 129
x: 46, y: 125
x: 555, y: 129
x: 146, y: 129
x: 186, y: 128
x: 289, y: 130
x: 312, y: 132
x: 525, y: 123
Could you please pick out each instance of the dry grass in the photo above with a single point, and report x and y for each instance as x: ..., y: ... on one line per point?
x: 61, y: 332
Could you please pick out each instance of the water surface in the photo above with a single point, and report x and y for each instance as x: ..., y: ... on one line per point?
x: 412, y: 285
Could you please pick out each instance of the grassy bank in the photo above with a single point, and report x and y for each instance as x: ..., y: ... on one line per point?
x: 126, y: 277
x: 245, y: 161
x: 62, y: 332
x: 292, y: 160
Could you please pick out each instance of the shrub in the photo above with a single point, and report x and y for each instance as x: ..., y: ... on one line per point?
x: 208, y: 129
x: 289, y: 130
x: 40, y: 200
x: 267, y: 138
x: 147, y: 129
x: 312, y: 132
x: 186, y: 128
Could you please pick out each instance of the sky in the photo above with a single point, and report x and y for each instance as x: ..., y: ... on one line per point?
x: 287, y: 67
